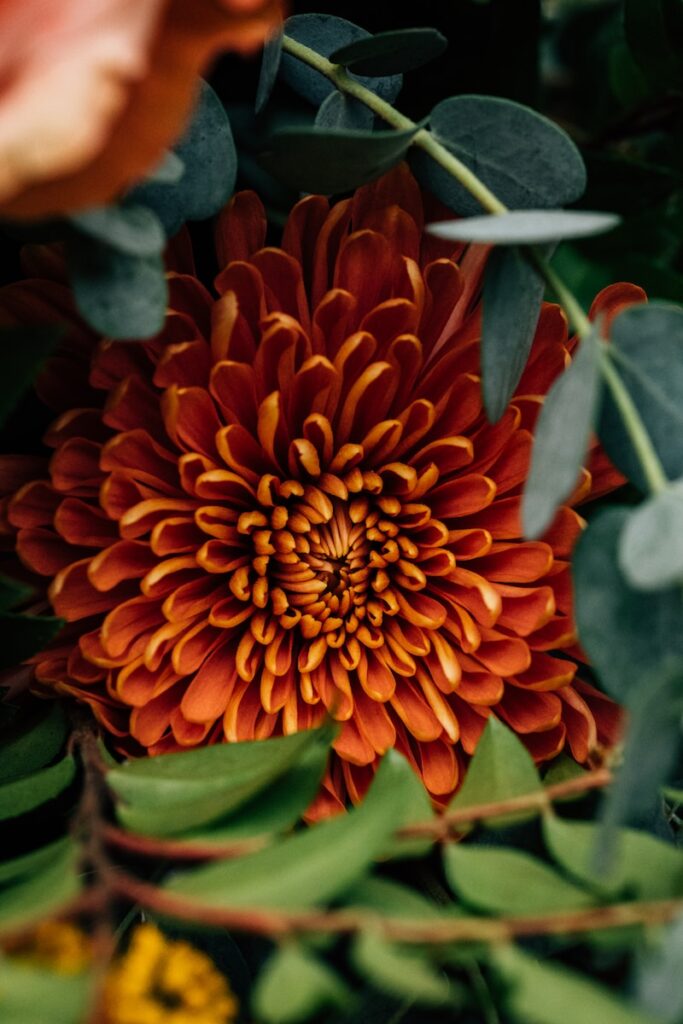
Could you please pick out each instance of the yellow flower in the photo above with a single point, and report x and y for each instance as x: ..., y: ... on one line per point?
x: 164, y: 981
x: 58, y: 945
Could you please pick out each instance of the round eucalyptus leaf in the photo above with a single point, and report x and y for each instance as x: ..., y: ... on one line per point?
x: 390, y: 53
x: 341, y: 111
x: 129, y: 228
x: 651, y: 543
x: 270, y: 65
x: 522, y: 157
x: 326, y: 34
x: 525, y: 227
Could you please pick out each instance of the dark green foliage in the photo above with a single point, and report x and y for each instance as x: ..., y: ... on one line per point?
x: 390, y: 53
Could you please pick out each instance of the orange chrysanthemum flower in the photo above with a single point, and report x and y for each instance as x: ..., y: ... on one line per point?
x: 290, y: 504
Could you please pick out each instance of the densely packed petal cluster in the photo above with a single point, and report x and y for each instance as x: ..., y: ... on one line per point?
x: 290, y: 504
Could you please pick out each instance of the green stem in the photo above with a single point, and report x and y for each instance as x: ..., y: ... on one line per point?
x: 640, y: 439
x: 424, y: 140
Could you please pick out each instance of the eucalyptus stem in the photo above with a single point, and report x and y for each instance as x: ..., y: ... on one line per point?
x: 424, y: 140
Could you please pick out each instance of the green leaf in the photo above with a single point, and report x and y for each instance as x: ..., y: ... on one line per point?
x: 12, y: 593
x: 389, y: 53
x: 24, y: 635
x: 36, y: 896
x: 647, y: 345
x: 168, y: 171
x: 33, y: 863
x: 341, y: 111
x: 402, y: 973
x: 207, y: 151
x: 312, y: 866
x: 173, y: 793
x: 524, y: 159
x: 24, y: 795
x: 501, y: 768
x: 329, y: 160
x: 295, y: 986
x: 645, y: 868
x: 277, y: 808
x: 120, y: 296
x: 504, y: 881
x: 651, y: 543
x: 26, y: 350
x: 513, y: 292
x: 561, y: 438
x: 655, y: 48
x: 30, y: 995
x: 525, y: 227
x: 270, y: 65
x: 392, y: 899
x: 128, y: 228
x: 626, y: 633
x: 547, y: 993
x: 659, y: 984
x: 324, y: 34
x: 29, y: 742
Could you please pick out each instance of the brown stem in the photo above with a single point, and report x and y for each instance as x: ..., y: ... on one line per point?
x: 462, y: 929
x: 178, y: 849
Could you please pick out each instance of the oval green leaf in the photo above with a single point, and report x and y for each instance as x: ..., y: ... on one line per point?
x: 561, y: 438
x: 524, y: 159
x: 390, y: 53
x: 128, y: 228
x: 525, y: 227
x: 270, y: 65
x: 402, y: 973
x: 651, y: 543
x: 342, y: 111
x: 24, y: 795
x: 29, y: 742
x: 31, y: 995
x: 295, y: 986
x: 36, y: 896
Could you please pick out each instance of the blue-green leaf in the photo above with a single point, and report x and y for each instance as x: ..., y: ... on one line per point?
x: 525, y: 227
x: 390, y: 53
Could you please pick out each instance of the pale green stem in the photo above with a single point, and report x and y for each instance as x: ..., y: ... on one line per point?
x: 423, y: 139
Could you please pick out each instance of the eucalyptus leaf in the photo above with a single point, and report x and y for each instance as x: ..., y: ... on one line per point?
x: 501, y: 768
x: 270, y: 65
x: 645, y: 867
x: 36, y: 896
x: 625, y: 632
x: 513, y: 293
x: 25, y: 794
x: 647, y: 347
x: 402, y: 973
x: 522, y: 157
x: 325, y: 34
x: 29, y: 742
x: 390, y: 53
x: 127, y: 227
x: 26, y: 349
x: 561, y: 438
x: 549, y: 993
x: 525, y: 227
x: 32, y: 995
x: 651, y: 543
x: 342, y: 111
x: 168, y: 171
x: 313, y: 866
x: 508, y: 881
x: 120, y: 296
x: 294, y: 986
x: 332, y: 160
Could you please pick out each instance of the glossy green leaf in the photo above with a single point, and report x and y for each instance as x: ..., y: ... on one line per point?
x: 400, y: 972
x: 651, y: 543
x: 324, y: 34
x: 549, y: 993
x: 524, y: 159
x: 33, y: 863
x: 500, y: 769
x: 35, y: 896
x: 129, y: 228
x: 207, y: 151
x: 24, y: 795
x: 174, y: 793
x: 314, y: 865
x: 29, y: 742
x: 513, y: 293
x: 294, y: 986
x: 647, y: 345
x: 328, y: 161
x: 25, y: 350
x: 390, y: 53
x: 525, y: 227
x: 561, y: 438
x: 626, y: 633
x: 507, y: 881
x: 31, y: 995
x: 645, y: 868
x: 270, y: 65
x: 342, y: 111
x: 120, y: 296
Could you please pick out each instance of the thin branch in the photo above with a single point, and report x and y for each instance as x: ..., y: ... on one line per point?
x: 178, y: 849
